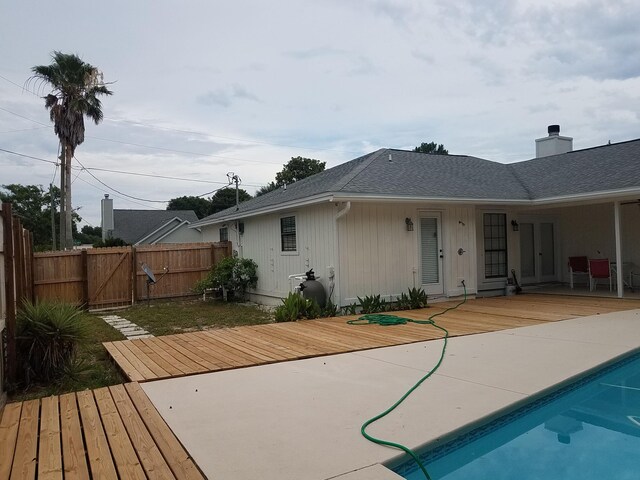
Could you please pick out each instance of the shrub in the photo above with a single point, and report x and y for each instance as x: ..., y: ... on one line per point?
x: 296, y: 307
x: 234, y: 274
x: 372, y: 304
x: 351, y: 309
x: 417, y: 298
x: 47, y: 337
x: 330, y: 309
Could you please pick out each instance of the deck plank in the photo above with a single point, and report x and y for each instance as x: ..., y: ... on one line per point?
x: 124, y: 455
x: 26, y: 454
x: 98, y: 453
x: 9, y: 426
x: 49, y: 450
x: 73, y: 452
x: 152, y: 460
x: 181, y: 464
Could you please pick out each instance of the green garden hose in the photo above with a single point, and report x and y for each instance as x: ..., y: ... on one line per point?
x: 388, y: 320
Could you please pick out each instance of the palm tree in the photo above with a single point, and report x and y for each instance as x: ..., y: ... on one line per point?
x: 76, y: 86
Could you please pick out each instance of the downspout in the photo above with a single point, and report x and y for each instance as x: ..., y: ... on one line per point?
x: 339, y: 215
x: 619, y: 282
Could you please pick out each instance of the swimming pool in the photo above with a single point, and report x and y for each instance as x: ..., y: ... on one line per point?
x: 587, y: 430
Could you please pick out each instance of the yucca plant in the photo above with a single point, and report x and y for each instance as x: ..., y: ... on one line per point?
x: 296, y: 307
x: 417, y: 298
x: 47, y: 337
x: 372, y: 304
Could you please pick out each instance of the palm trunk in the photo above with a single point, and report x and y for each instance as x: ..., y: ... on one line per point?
x: 63, y: 188
x: 68, y: 237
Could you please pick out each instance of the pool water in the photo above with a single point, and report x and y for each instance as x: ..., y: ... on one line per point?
x: 587, y: 430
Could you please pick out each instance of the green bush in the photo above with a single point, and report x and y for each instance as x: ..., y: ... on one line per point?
x: 417, y: 298
x: 372, y: 304
x: 296, y: 307
x: 47, y: 338
x: 351, y: 309
x: 235, y: 275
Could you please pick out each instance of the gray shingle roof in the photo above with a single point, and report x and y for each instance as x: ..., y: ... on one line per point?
x: 133, y: 225
x: 410, y: 174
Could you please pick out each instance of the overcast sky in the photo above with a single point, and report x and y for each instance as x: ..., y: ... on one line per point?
x: 203, y: 88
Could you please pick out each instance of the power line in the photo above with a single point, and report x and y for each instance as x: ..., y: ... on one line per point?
x: 28, y: 156
x: 118, y: 196
x: 124, y: 172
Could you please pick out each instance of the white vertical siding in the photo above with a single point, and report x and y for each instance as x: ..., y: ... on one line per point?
x: 261, y: 242
x: 379, y: 256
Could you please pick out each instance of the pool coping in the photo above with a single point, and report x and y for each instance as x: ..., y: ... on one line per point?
x: 568, y: 350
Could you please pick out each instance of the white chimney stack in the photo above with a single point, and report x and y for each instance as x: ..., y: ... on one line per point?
x: 554, y: 144
x: 106, y: 220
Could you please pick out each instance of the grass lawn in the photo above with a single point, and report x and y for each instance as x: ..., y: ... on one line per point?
x: 97, y: 369
x: 167, y: 317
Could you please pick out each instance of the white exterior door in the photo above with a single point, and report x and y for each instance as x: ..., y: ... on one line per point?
x: 538, y: 257
x: 430, y: 239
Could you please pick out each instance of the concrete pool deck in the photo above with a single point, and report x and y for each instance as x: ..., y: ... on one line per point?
x: 301, y: 419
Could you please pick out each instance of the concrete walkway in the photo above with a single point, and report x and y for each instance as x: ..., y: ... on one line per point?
x: 125, y: 327
x: 301, y: 419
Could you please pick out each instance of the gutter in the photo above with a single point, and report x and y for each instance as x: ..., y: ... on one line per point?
x: 336, y: 267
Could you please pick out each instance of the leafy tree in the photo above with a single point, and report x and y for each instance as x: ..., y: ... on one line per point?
x: 433, y: 148
x: 296, y: 169
x: 269, y: 187
x: 89, y: 234
x: 201, y: 206
x: 32, y: 204
x: 226, y: 198
x: 75, y: 87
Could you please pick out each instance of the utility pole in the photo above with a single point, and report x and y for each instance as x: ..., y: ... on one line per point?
x: 63, y: 189
x: 233, y: 178
x: 53, y: 218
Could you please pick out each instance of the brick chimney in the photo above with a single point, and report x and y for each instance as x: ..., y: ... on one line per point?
x: 554, y: 144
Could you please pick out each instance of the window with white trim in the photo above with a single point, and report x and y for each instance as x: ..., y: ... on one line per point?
x: 288, y: 234
x: 224, y: 234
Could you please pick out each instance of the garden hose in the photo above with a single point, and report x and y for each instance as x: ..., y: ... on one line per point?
x: 387, y: 320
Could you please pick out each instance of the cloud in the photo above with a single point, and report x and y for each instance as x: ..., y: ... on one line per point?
x: 315, y: 52
x: 226, y: 97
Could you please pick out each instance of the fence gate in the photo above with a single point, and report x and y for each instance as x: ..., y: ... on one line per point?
x: 109, y: 276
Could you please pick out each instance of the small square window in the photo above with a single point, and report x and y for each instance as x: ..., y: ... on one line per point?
x: 224, y: 234
x: 288, y: 234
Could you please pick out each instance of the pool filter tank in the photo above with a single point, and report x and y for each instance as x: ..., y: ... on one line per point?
x: 313, y: 289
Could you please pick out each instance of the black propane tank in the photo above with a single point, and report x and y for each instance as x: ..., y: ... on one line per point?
x: 313, y: 289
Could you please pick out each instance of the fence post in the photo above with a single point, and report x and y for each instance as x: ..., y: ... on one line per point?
x: 30, y: 266
x: 85, y: 278
x: 134, y: 277
x: 10, y: 293
x: 18, y: 247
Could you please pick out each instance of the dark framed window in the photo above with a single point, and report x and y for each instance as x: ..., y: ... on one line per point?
x: 495, y: 245
x: 224, y: 234
x: 288, y: 234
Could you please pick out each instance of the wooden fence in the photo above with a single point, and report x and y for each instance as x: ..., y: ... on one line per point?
x: 16, y: 285
x: 108, y: 277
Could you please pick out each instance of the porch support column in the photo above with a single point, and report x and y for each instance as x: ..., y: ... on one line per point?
x: 619, y: 282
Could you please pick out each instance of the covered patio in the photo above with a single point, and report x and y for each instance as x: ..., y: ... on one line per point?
x: 608, y: 230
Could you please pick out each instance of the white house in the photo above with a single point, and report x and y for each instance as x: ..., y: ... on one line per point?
x: 394, y: 219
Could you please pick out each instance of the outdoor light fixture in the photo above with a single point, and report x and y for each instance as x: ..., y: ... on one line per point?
x: 409, y: 224
x: 515, y: 225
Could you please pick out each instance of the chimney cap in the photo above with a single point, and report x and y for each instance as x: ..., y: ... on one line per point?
x: 106, y: 195
x: 553, y: 130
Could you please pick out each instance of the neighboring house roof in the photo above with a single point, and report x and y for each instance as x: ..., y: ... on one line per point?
x: 390, y: 173
x: 134, y: 225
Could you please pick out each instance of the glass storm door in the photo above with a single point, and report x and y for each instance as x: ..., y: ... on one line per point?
x: 538, y: 252
x: 431, y: 254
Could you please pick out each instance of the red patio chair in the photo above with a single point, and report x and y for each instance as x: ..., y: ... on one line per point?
x: 599, y: 268
x: 577, y: 266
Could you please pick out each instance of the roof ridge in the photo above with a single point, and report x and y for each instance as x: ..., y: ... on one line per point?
x: 358, y: 170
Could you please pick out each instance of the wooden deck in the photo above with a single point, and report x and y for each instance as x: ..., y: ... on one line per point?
x: 108, y: 433
x: 222, y: 349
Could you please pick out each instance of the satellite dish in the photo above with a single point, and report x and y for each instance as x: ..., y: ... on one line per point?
x: 150, y: 276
